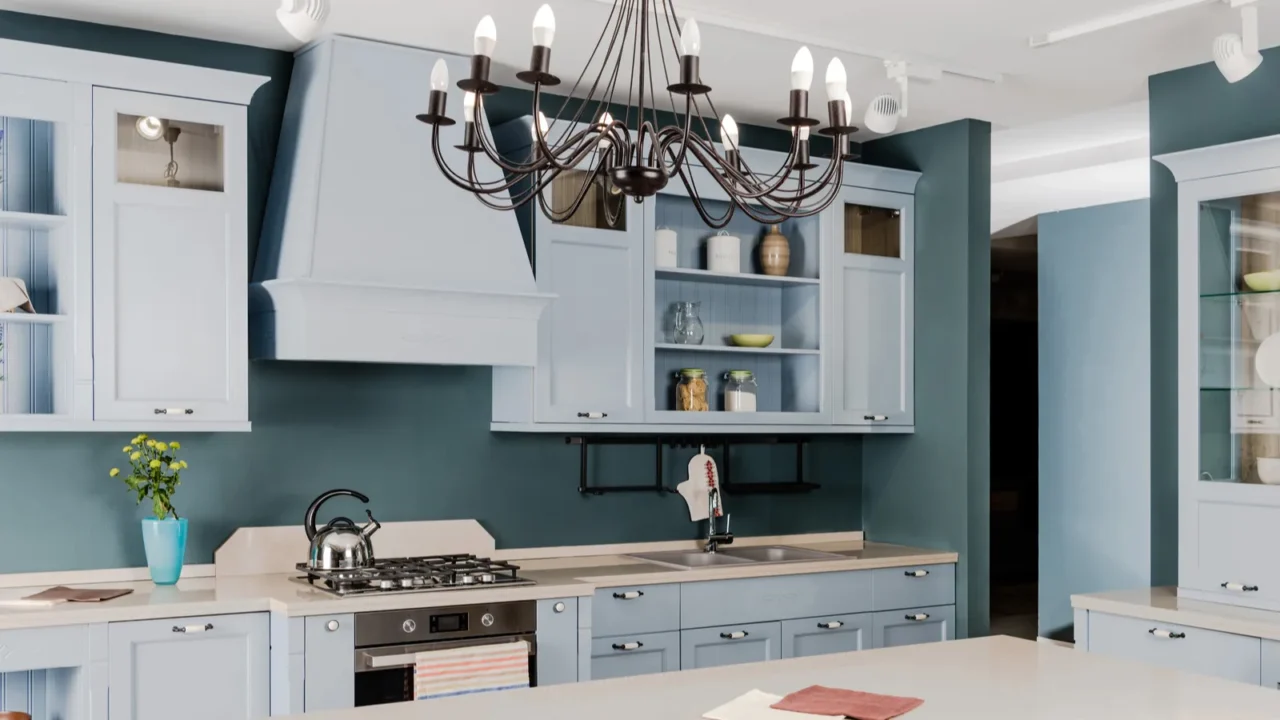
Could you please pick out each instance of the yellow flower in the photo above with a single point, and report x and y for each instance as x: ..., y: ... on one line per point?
x: 135, y: 456
x: 175, y: 466
x: 175, y: 446
x: 183, y: 463
x: 138, y: 439
x: 151, y: 443
x: 127, y: 448
x: 115, y: 472
x: 161, y: 447
x: 154, y: 464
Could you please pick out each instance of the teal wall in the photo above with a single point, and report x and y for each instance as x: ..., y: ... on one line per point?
x: 933, y: 488
x: 1190, y: 108
x: 416, y: 439
x: 1095, y: 398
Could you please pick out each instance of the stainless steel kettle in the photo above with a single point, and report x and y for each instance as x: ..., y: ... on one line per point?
x: 339, y: 545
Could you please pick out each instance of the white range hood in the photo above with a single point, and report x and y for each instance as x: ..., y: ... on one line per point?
x: 368, y: 253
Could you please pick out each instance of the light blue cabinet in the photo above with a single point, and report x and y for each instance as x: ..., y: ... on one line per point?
x: 557, y: 641
x: 875, y: 290
x: 1207, y: 652
x: 826, y: 635
x: 329, y: 663
x: 640, y: 609
x: 894, y: 628
x: 630, y: 655
x: 1271, y: 664
x: 716, y: 602
x: 914, y: 586
x: 201, y: 668
x: 730, y: 645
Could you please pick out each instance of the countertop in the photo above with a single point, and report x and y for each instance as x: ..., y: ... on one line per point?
x: 577, y: 576
x: 1163, y: 604
x: 997, y: 678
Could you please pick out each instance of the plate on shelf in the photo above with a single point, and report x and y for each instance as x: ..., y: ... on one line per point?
x: 752, y: 340
x: 1267, y: 361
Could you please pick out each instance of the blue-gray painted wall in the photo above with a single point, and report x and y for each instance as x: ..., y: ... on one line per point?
x: 1095, y: 399
x: 416, y: 439
x: 1189, y: 108
x: 933, y: 488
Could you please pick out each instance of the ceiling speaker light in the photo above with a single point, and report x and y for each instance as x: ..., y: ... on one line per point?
x: 303, y: 18
x: 1235, y: 55
x: 882, y: 115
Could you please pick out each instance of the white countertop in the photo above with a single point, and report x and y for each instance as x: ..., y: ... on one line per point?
x: 555, y: 578
x: 996, y: 678
x: 1163, y: 604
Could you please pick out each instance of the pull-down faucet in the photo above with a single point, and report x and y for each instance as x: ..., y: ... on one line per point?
x: 716, y: 539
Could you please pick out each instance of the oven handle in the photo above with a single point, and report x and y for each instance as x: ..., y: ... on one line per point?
x: 406, y: 655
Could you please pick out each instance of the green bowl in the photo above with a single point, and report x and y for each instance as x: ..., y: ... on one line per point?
x: 752, y: 340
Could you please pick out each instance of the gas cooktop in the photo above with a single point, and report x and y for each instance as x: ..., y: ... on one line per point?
x: 416, y: 574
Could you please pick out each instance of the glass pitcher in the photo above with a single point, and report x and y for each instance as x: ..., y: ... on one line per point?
x: 688, y: 328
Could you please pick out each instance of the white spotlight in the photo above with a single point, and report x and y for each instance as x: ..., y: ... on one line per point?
x: 303, y: 18
x: 1237, y: 56
x: 885, y: 110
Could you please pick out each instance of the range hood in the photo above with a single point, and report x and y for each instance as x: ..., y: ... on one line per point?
x: 368, y: 253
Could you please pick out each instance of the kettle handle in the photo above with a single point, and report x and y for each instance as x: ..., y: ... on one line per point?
x: 309, y: 522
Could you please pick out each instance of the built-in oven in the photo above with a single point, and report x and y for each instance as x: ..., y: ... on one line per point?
x: 388, y: 642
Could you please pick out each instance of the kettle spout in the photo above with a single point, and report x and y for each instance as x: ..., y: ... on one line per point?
x: 371, y: 527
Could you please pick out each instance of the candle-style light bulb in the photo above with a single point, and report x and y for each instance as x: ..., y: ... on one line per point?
x: 802, y: 70
x: 539, y: 127
x: 486, y: 36
x: 544, y: 26
x: 729, y: 133
x: 690, y: 38
x: 801, y: 132
x: 440, y: 76
x: 469, y: 107
x: 836, y: 79
x: 606, y: 122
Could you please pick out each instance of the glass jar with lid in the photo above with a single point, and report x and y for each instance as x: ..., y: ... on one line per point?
x: 740, y: 391
x: 691, y: 390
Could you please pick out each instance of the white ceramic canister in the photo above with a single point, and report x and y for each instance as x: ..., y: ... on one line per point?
x: 664, y: 242
x: 724, y: 253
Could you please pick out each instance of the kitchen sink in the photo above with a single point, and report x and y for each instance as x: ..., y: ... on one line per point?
x: 687, y: 559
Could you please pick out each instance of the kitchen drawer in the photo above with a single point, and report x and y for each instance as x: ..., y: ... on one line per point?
x: 730, y: 645
x: 715, y: 603
x: 39, y: 648
x: 826, y: 635
x: 914, y: 626
x: 1207, y: 652
x: 914, y: 586
x: 631, y: 610
x: 630, y: 655
x: 1232, y: 557
x: 1271, y: 664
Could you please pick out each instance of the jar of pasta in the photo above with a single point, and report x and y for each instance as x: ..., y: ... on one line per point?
x: 691, y: 390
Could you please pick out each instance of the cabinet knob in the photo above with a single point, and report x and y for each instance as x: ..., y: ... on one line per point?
x: 1167, y: 634
x: 1239, y: 587
x: 558, y: 607
x: 185, y: 629
x: 735, y: 635
x: 916, y: 573
x: 593, y: 415
x: 331, y: 626
x: 832, y: 625
x: 917, y: 617
x: 875, y: 418
x: 628, y: 646
x: 175, y: 411
x: 629, y: 595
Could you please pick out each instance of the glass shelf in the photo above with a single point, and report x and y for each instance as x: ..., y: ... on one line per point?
x: 732, y: 278
x: 735, y: 349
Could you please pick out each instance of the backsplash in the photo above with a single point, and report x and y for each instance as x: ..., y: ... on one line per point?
x: 415, y: 439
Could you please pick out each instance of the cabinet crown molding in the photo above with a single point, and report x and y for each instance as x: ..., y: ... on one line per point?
x: 1225, y: 159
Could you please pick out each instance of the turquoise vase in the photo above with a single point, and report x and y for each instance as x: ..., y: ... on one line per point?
x: 166, y: 543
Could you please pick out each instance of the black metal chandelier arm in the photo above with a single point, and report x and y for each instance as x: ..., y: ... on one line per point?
x: 734, y: 182
x: 481, y: 188
x: 669, y: 135
x: 775, y: 209
x: 560, y: 216
x: 580, y: 143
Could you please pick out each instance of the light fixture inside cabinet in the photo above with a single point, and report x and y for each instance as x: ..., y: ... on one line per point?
x: 150, y: 127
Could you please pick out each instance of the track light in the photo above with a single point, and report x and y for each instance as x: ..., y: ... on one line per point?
x: 885, y: 110
x: 303, y: 18
x: 1235, y: 55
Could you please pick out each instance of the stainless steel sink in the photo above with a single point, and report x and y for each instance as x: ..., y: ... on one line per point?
x: 687, y: 559
x: 778, y: 554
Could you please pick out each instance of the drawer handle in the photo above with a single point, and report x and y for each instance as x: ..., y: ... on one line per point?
x: 917, y: 617
x: 875, y: 418
x: 175, y: 411
x: 193, y: 628
x: 916, y: 573
x: 593, y: 415
x: 1167, y: 634
x: 628, y: 646
x: 832, y: 625
x: 735, y: 635
x: 629, y: 595
x: 1239, y: 587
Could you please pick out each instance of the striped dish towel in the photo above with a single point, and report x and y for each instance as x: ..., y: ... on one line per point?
x: 474, y: 669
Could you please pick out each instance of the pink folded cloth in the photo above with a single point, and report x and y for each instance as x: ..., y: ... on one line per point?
x: 819, y: 700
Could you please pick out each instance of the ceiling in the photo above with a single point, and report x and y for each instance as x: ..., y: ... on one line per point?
x: 748, y: 44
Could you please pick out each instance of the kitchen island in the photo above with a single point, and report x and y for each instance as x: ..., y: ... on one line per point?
x: 996, y: 678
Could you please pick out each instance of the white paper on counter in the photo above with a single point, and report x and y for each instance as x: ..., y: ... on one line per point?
x: 754, y: 705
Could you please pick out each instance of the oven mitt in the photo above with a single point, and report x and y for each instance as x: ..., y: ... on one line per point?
x: 703, y: 476
x: 14, y: 296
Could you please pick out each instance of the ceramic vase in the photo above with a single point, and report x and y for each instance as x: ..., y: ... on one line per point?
x: 166, y: 543
x: 775, y: 252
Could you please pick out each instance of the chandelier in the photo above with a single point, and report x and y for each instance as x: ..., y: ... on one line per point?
x: 638, y: 155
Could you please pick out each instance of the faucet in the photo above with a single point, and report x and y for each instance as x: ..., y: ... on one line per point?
x: 716, y: 539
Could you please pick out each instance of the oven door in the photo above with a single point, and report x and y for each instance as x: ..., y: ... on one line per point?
x: 384, y: 674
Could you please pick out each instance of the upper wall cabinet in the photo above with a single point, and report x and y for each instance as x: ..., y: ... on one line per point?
x: 123, y: 218
x: 649, y: 298
x: 1229, y: 371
